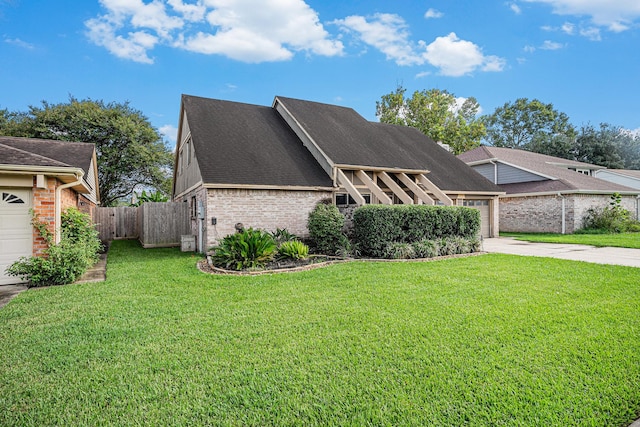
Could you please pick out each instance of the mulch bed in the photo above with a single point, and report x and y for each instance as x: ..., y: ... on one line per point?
x: 312, y: 263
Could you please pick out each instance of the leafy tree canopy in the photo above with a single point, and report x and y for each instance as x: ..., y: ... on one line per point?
x: 130, y: 151
x: 608, y: 146
x: 437, y: 114
x: 529, y: 125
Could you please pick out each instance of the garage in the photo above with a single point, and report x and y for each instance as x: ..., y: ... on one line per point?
x: 15, y: 229
x: 485, y: 214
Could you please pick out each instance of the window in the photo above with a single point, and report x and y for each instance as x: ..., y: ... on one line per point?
x: 477, y: 203
x: 189, y: 154
x: 11, y: 198
x: 194, y: 207
x: 345, y: 199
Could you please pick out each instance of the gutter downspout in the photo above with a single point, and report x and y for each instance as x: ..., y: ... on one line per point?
x: 58, y: 207
x: 564, y: 228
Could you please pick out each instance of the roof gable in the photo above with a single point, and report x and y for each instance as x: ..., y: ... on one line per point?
x: 245, y: 144
x: 559, y: 176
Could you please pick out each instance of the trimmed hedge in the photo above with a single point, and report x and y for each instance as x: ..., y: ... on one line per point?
x: 377, y: 226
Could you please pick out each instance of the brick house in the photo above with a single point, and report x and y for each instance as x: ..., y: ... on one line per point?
x: 48, y: 177
x: 545, y: 194
x: 267, y: 167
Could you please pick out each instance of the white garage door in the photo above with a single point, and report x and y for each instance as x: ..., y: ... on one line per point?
x: 16, y: 238
x: 485, y: 215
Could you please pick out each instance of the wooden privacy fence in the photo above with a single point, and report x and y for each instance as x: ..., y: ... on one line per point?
x: 154, y: 224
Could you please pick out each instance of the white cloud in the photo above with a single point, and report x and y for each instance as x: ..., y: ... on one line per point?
x: 549, y: 45
x: 515, y: 8
x: 615, y: 15
x: 455, y: 57
x: 433, y: 14
x: 20, y: 43
x: 568, y: 28
x: 170, y: 132
x: 423, y: 74
x: 387, y: 33
x: 238, y: 29
x: 592, y: 33
x: 529, y: 49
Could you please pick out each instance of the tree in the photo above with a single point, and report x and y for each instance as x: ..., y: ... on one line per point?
x: 437, y: 114
x: 529, y: 125
x: 130, y: 151
x: 600, y: 146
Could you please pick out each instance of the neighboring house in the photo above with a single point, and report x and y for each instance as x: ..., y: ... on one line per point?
x: 48, y: 177
x: 545, y: 193
x: 267, y: 167
x: 628, y: 178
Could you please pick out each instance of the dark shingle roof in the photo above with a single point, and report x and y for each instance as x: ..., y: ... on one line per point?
x: 14, y: 156
x: 58, y: 153
x: 247, y: 144
x: 347, y: 138
x: 447, y: 172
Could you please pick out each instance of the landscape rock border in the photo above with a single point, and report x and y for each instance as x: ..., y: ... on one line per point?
x: 207, y: 267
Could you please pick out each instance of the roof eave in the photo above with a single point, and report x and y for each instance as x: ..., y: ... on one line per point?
x: 382, y: 169
x: 64, y: 174
x: 267, y: 187
x: 568, y: 192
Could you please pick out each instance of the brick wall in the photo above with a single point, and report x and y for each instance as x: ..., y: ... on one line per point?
x: 543, y: 214
x: 266, y: 209
x: 44, y: 208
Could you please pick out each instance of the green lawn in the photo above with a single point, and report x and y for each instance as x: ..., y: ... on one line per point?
x: 621, y: 240
x: 484, y: 340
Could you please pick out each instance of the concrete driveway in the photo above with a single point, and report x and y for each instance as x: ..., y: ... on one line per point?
x: 617, y: 256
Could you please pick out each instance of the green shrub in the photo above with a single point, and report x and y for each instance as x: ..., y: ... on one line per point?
x: 610, y: 219
x: 426, y: 248
x: 282, y: 235
x: 376, y: 226
x: 325, y: 228
x: 293, y: 249
x: 399, y: 250
x: 246, y: 249
x: 64, y: 262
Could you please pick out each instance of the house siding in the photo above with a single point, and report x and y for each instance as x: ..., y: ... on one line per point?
x: 511, y: 175
x: 618, y: 179
x: 543, y: 214
x: 486, y: 170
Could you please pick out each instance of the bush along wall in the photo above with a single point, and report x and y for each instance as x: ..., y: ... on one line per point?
x: 63, y: 262
x: 379, y: 227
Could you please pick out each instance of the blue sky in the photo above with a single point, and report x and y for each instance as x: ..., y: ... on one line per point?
x: 581, y: 55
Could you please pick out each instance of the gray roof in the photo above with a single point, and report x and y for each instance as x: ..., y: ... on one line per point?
x: 556, y: 169
x: 347, y: 138
x: 45, y: 152
x: 245, y: 144
x: 17, y: 157
x: 446, y: 171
